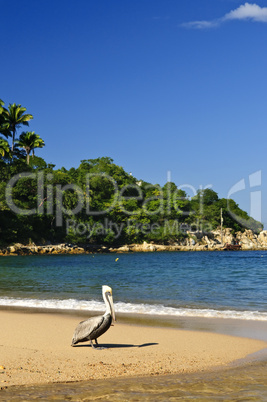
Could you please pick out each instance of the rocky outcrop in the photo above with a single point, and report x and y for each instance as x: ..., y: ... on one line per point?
x: 150, y: 247
x: 195, y: 241
x: 248, y: 240
x: 20, y: 249
x: 224, y: 237
x: 199, y: 241
x: 144, y: 247
x: 63, y: 248
x: 262, y: 238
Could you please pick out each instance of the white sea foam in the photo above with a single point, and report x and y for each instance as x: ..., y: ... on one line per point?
x: 128, y: 308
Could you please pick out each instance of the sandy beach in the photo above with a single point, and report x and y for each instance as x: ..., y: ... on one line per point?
x: 35, y: 349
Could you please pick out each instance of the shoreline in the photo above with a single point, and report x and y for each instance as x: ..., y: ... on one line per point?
x: 238, y: 327
x: 218, y: 240
x: 35, y: 349
x: 69, y: 249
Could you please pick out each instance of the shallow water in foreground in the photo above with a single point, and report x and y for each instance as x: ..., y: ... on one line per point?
x: 247, y: 383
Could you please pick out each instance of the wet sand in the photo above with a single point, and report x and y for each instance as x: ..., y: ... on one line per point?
x: 35, y: 349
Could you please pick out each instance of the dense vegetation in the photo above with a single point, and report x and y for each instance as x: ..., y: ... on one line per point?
x: 98, y: 202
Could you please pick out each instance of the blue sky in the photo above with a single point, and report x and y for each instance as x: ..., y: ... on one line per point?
x: 174, y: 86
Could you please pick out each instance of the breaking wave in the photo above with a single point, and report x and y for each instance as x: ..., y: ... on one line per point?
x: 131, y: 308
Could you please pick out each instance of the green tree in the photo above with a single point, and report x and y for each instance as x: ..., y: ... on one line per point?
x: 29, y: 141
x: 4, y: 148
x: 13, y: 118
x: 3, y: 124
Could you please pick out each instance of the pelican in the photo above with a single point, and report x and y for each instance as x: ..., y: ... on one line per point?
x: 94, y: 327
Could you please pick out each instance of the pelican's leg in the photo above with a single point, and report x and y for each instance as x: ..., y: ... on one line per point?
x: 93, y: 346
x: 97, y: 345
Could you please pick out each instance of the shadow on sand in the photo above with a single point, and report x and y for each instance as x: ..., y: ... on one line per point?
x: 117, y: 345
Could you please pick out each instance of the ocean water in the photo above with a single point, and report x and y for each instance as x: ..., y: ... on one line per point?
x: 196, y: 287
x: 178, y: 284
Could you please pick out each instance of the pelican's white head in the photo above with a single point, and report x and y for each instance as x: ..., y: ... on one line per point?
x: 106, y: 289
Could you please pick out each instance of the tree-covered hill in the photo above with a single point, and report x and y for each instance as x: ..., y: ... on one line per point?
x: 101, y: 203
x: 98, y: 202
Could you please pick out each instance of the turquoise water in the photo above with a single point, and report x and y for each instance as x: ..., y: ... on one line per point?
x: 239, y: 385
x: 197, y: 284
x: 218, y: 291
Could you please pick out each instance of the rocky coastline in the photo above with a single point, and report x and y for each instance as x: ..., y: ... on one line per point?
x: 195, y: 241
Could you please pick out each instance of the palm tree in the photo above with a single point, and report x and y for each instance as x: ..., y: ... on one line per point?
x: 14, y: 117
x: 29, y: 141
x: 4, y: 148
x: 38, y: 143
x: 3, y: 125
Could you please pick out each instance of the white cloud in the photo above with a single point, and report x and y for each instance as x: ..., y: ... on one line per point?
x: 246, y: 11
x: 201, y: 24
